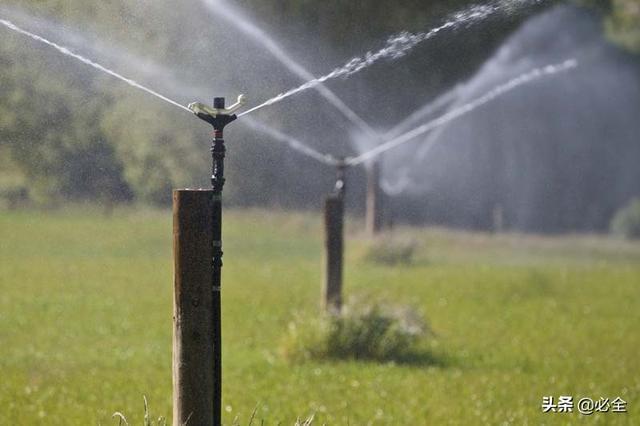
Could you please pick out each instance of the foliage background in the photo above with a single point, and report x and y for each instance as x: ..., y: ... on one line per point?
x: 69, y: 133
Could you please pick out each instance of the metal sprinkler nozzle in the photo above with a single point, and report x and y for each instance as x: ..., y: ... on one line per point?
x: 341, y: 167
x: 218, y: 116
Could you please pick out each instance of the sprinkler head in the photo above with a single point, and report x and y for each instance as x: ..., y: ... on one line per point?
x: 341, y: 168
x: 218, y: 116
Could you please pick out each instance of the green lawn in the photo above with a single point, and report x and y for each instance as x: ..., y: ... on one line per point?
x: 85, y: 323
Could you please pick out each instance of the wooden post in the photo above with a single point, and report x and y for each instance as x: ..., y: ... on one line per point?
x: 497, y: 218
x: 334, y: 245
x: 193, y: 320
x: 374, y: 212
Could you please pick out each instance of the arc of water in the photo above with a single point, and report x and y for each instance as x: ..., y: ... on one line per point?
x: 230, y: 14
x: 438, y: 104
x: 403, y: 181
x: 183, y: 88
x: 400, y: 44
x: 290, y: 141
x: 497, y: 91
x: 102, y: 51
x: 66, y: 51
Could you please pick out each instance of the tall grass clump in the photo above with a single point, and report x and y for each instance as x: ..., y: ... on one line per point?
x: 626, y: 222
x: 148, y: 421
x: 369, y: 332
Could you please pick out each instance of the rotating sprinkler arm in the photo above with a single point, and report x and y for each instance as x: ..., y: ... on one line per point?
x: 200, y: 108
x: 218, y: 116
x: 242, y: 99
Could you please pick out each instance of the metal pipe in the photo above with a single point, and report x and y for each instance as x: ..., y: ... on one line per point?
x: 218, y: 117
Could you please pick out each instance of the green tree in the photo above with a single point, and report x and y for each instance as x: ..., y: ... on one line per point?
x: 623, y: 23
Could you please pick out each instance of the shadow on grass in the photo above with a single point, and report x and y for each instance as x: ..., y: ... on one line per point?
x: 415, y: 358
x: 424, y: 359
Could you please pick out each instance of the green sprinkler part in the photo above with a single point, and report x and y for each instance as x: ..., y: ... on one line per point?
x: 201, y: 109
x: 218, y: 116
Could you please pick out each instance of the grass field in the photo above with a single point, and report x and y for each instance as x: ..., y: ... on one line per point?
x: 85, y: 323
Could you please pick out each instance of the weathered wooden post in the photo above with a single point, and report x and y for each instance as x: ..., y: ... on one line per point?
x: 374, y: 216
x: 334, y: 244
x: 193, y: 321
x: 197, y: 337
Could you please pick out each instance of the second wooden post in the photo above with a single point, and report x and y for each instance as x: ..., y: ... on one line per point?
x: 375, y: 199
x: 334, y: 244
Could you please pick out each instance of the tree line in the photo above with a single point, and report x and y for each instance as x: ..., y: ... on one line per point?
x: 68, y: 133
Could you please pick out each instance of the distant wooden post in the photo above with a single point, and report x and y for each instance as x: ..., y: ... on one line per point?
x: 193, y: 320
x: 374, y: 218
x: 497, y: 218
x: 334, y: 246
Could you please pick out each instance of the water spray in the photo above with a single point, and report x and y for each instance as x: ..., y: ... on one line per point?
x: 465, y: 109
x: 66, y: 51
x: 400, y: 44
x: 229, y: 13
x: 198, y: 108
